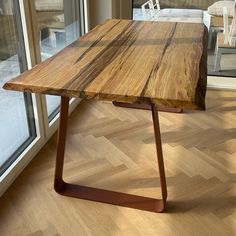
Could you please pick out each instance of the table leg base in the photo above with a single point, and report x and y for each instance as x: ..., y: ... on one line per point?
x: 111, y: 197
x: 106, y: 196
x: 147, y: 107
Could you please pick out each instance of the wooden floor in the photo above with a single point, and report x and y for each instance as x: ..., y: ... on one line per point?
x: 114, y: 148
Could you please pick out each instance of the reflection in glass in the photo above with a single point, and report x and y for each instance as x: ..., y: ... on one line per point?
x: 59, y: 25
x: 17, y: 128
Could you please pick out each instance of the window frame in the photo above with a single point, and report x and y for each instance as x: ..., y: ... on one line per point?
x: 44, y: 129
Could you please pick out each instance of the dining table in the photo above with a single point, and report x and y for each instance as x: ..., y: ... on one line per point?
x: 161, y: 66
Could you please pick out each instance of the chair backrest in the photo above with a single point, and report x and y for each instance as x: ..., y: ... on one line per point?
x: 226, y: 25
x: 232, y: 32
x: 156, y: 5
x: 229, y: 31
x: 146, y: 10
x: 150, y: 9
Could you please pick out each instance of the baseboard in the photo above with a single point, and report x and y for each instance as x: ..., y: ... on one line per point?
x: 226, y: 83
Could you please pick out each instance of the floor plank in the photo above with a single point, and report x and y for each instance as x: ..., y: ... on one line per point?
x: 113, y: 148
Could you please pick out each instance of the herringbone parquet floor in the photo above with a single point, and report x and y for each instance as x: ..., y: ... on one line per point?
x: 113, y: 148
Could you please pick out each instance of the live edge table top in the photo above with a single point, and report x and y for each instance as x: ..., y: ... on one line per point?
x: 162, y: 63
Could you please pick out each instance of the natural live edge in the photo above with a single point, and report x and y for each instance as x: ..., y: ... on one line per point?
x: 160, y: 63
x: 160, y: 103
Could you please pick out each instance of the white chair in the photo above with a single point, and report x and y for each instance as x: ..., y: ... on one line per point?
x: 150, y: 9
x: 215, y: 12
x: 156, y: 5
x: 226, y: 41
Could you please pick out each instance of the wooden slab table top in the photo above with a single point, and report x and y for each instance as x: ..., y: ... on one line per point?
x: 161, y: 64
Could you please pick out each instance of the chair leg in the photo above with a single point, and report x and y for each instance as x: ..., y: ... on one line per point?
x: 217, y: 60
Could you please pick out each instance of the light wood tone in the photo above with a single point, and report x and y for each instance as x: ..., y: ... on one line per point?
x: 114, y: 148
x: 128, y: 61
x: 221, y: 41
x: 217, y: 21
x: 46, y: 18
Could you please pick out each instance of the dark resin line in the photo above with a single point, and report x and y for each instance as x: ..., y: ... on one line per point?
x: 131, y: 40
x: 96, y: 42
x: 121, y: 40
x: 97, y: 65
x: 157, y: 65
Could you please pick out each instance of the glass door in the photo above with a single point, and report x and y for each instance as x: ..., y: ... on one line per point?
x: 58, y: 24
x: 17, y: 124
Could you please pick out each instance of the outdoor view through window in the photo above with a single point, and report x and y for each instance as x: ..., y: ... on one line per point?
x: 57, y: 27
x: 53, y: 25
x: 17, y: 128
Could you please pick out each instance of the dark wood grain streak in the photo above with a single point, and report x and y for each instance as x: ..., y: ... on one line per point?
x: 157, y: 65
x: 92, y: 70
x: 96, y: 42
x: 162, y: 63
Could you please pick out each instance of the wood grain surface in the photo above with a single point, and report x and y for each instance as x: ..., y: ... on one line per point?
x: 128, y: 61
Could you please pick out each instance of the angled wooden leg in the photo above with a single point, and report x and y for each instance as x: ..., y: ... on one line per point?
x: 147, y: 107
x: 106, y: 196
x: 217, y: 60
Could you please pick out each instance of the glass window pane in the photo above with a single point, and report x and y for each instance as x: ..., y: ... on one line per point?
x: 17, y: 128
x: 59, y: 25
x: 53, y: 103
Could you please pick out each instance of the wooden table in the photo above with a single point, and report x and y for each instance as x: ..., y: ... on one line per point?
x: 159, y: 64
